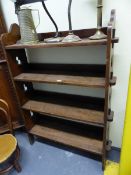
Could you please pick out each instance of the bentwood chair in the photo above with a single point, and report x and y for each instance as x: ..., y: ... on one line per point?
x: 9, y: 150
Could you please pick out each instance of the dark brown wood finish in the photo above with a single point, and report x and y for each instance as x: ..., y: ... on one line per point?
x: 7, y: 93
x: 4, y: 126
x: 88, y: 144
x: 84, y: 42
x: 64, y: 79
x: 67, y: 112
x: 109, y: 75
x: 93, y: 112
x: 15, y: 69
x: 61, y: 79
x: 6, y: 89
x: 2, y: 23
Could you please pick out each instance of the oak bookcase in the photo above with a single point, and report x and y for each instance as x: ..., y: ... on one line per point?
x: 78, y: 121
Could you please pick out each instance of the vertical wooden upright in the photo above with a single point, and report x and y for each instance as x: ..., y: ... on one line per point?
x: 108, y: 114
x: 7, y: 91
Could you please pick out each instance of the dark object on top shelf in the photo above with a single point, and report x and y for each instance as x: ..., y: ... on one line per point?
x: 22, y: 2
x: 99, y: 34
x: 71, y: 37
x: 56, y: 37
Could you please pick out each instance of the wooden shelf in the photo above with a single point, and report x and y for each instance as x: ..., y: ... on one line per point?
x: 66, y: 112
x: 16, y: 125
x: 61, y: 79
x: 96, y: 82
x: 84, y: 143
x: 83, y: 42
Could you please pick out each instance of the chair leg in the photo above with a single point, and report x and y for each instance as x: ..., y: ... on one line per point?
x: 16, y: 162
x: 17, y: 166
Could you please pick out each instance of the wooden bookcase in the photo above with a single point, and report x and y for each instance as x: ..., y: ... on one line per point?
x: 6, y: 89
x: 7, y: 93
x: 74, y: 120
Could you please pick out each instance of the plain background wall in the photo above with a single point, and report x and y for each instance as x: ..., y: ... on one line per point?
x: 84, y: 16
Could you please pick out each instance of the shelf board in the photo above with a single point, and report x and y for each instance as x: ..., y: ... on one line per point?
x: 3, y: 61
x: 5, y: 128
x: 66, y: 112
x: 84, y: 143
x: 83, y: 42
x: 62, y: 79
x: 85, y: 81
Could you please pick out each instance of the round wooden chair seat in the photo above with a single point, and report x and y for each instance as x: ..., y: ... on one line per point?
x: 8, y: 145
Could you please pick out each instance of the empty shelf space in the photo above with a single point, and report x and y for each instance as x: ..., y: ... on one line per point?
x: 84, y: 143
x: 66, y: 112
x: 83, y: 42
x: 89, y: 70
x: 66, y: 99
x: 62, y: 79
x: 68, y: 126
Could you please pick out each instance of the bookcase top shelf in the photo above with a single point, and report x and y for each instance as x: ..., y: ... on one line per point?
x: 83, y: 42
x: 11, y: 40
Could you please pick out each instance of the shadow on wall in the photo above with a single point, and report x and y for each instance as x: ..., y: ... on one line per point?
x: 76, y: 55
